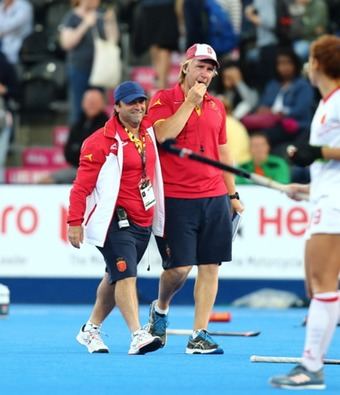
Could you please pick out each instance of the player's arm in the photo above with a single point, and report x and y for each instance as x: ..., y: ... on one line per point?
x: 111, y: 26
x: 71, y: 37
x: 330, y: 153
x: 91, y: 160
x: 229, y: 179
x: 171, y: 127
x: 295, y: 191
x: 20, y: 17
x: 305, y: 155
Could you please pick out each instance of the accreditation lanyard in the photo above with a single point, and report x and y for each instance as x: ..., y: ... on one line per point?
x: 140, y: 145
x: 145, y: 186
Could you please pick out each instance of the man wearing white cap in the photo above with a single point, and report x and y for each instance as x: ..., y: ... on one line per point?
x: 197, y: 208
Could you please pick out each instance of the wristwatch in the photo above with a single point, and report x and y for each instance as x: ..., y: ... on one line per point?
x: 234, y: 196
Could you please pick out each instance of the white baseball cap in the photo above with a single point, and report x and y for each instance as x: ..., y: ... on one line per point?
x: 202, y: 52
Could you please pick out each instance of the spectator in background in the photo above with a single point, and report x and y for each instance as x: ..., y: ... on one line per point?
x: 157, y: 30
x: 334, y: 16
x: 16, y: 19
x: 9, y: 86
x: 285, y: 107
x: 77, y: 38
x: 223, y: 20
x: 309, y: 21
x: 238, y: 98
x: 262, y: 14
x: 9, y: 91
x: 4, y: 137
x: 238, y: 140
x: 93, y: 117
x: 263, y: 163
x: 234, y: 9
x: 194, y: 14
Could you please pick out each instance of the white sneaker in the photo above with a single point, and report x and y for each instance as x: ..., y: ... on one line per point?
x: 91, y: 339
x: 143, y: 342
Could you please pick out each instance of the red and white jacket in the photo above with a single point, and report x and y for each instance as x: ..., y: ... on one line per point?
x: 95, y: 190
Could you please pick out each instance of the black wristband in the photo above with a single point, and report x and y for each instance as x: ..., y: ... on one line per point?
x: 234, y: 196
x: 305, y: 155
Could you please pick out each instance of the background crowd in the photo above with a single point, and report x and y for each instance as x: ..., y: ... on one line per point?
x: 47, y: 51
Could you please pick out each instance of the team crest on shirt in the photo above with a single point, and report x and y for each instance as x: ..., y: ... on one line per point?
x: 157, y: 102
x: 323, y: 119
x: 89, y: 157
x: 121, y: 265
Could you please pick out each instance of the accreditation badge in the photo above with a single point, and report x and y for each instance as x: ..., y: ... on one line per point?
x: 147, y: 193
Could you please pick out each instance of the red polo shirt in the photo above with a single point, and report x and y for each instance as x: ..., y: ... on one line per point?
x: 129, y: 195
x: 204, y: 131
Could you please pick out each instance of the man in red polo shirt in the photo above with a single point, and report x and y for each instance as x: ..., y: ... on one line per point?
x: 197, y: 207
x: 115, y: 202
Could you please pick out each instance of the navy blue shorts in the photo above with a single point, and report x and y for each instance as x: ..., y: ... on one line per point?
x: 123, y: 249
x: 197, y: 231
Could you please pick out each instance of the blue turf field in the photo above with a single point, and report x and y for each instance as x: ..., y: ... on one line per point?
x: 39, y: 355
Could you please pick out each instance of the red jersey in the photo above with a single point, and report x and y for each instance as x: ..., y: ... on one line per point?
x: 204, y: 131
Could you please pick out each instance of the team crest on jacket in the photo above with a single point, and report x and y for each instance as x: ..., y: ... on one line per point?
x: 121, y: 265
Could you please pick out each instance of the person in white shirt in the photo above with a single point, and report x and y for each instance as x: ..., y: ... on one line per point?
x: 16, y: 19
x: 322, y: 250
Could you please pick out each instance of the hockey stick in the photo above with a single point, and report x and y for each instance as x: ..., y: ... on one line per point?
x: 188, y: 332
x: 169, y: 146
x: 260, y: 358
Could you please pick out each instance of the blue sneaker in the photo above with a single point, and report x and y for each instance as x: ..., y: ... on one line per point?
x: 299, y: 378
x: 157, y: 323
x: 202, y: 343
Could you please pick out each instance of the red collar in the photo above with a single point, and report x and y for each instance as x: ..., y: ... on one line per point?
x: 113, y: 127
